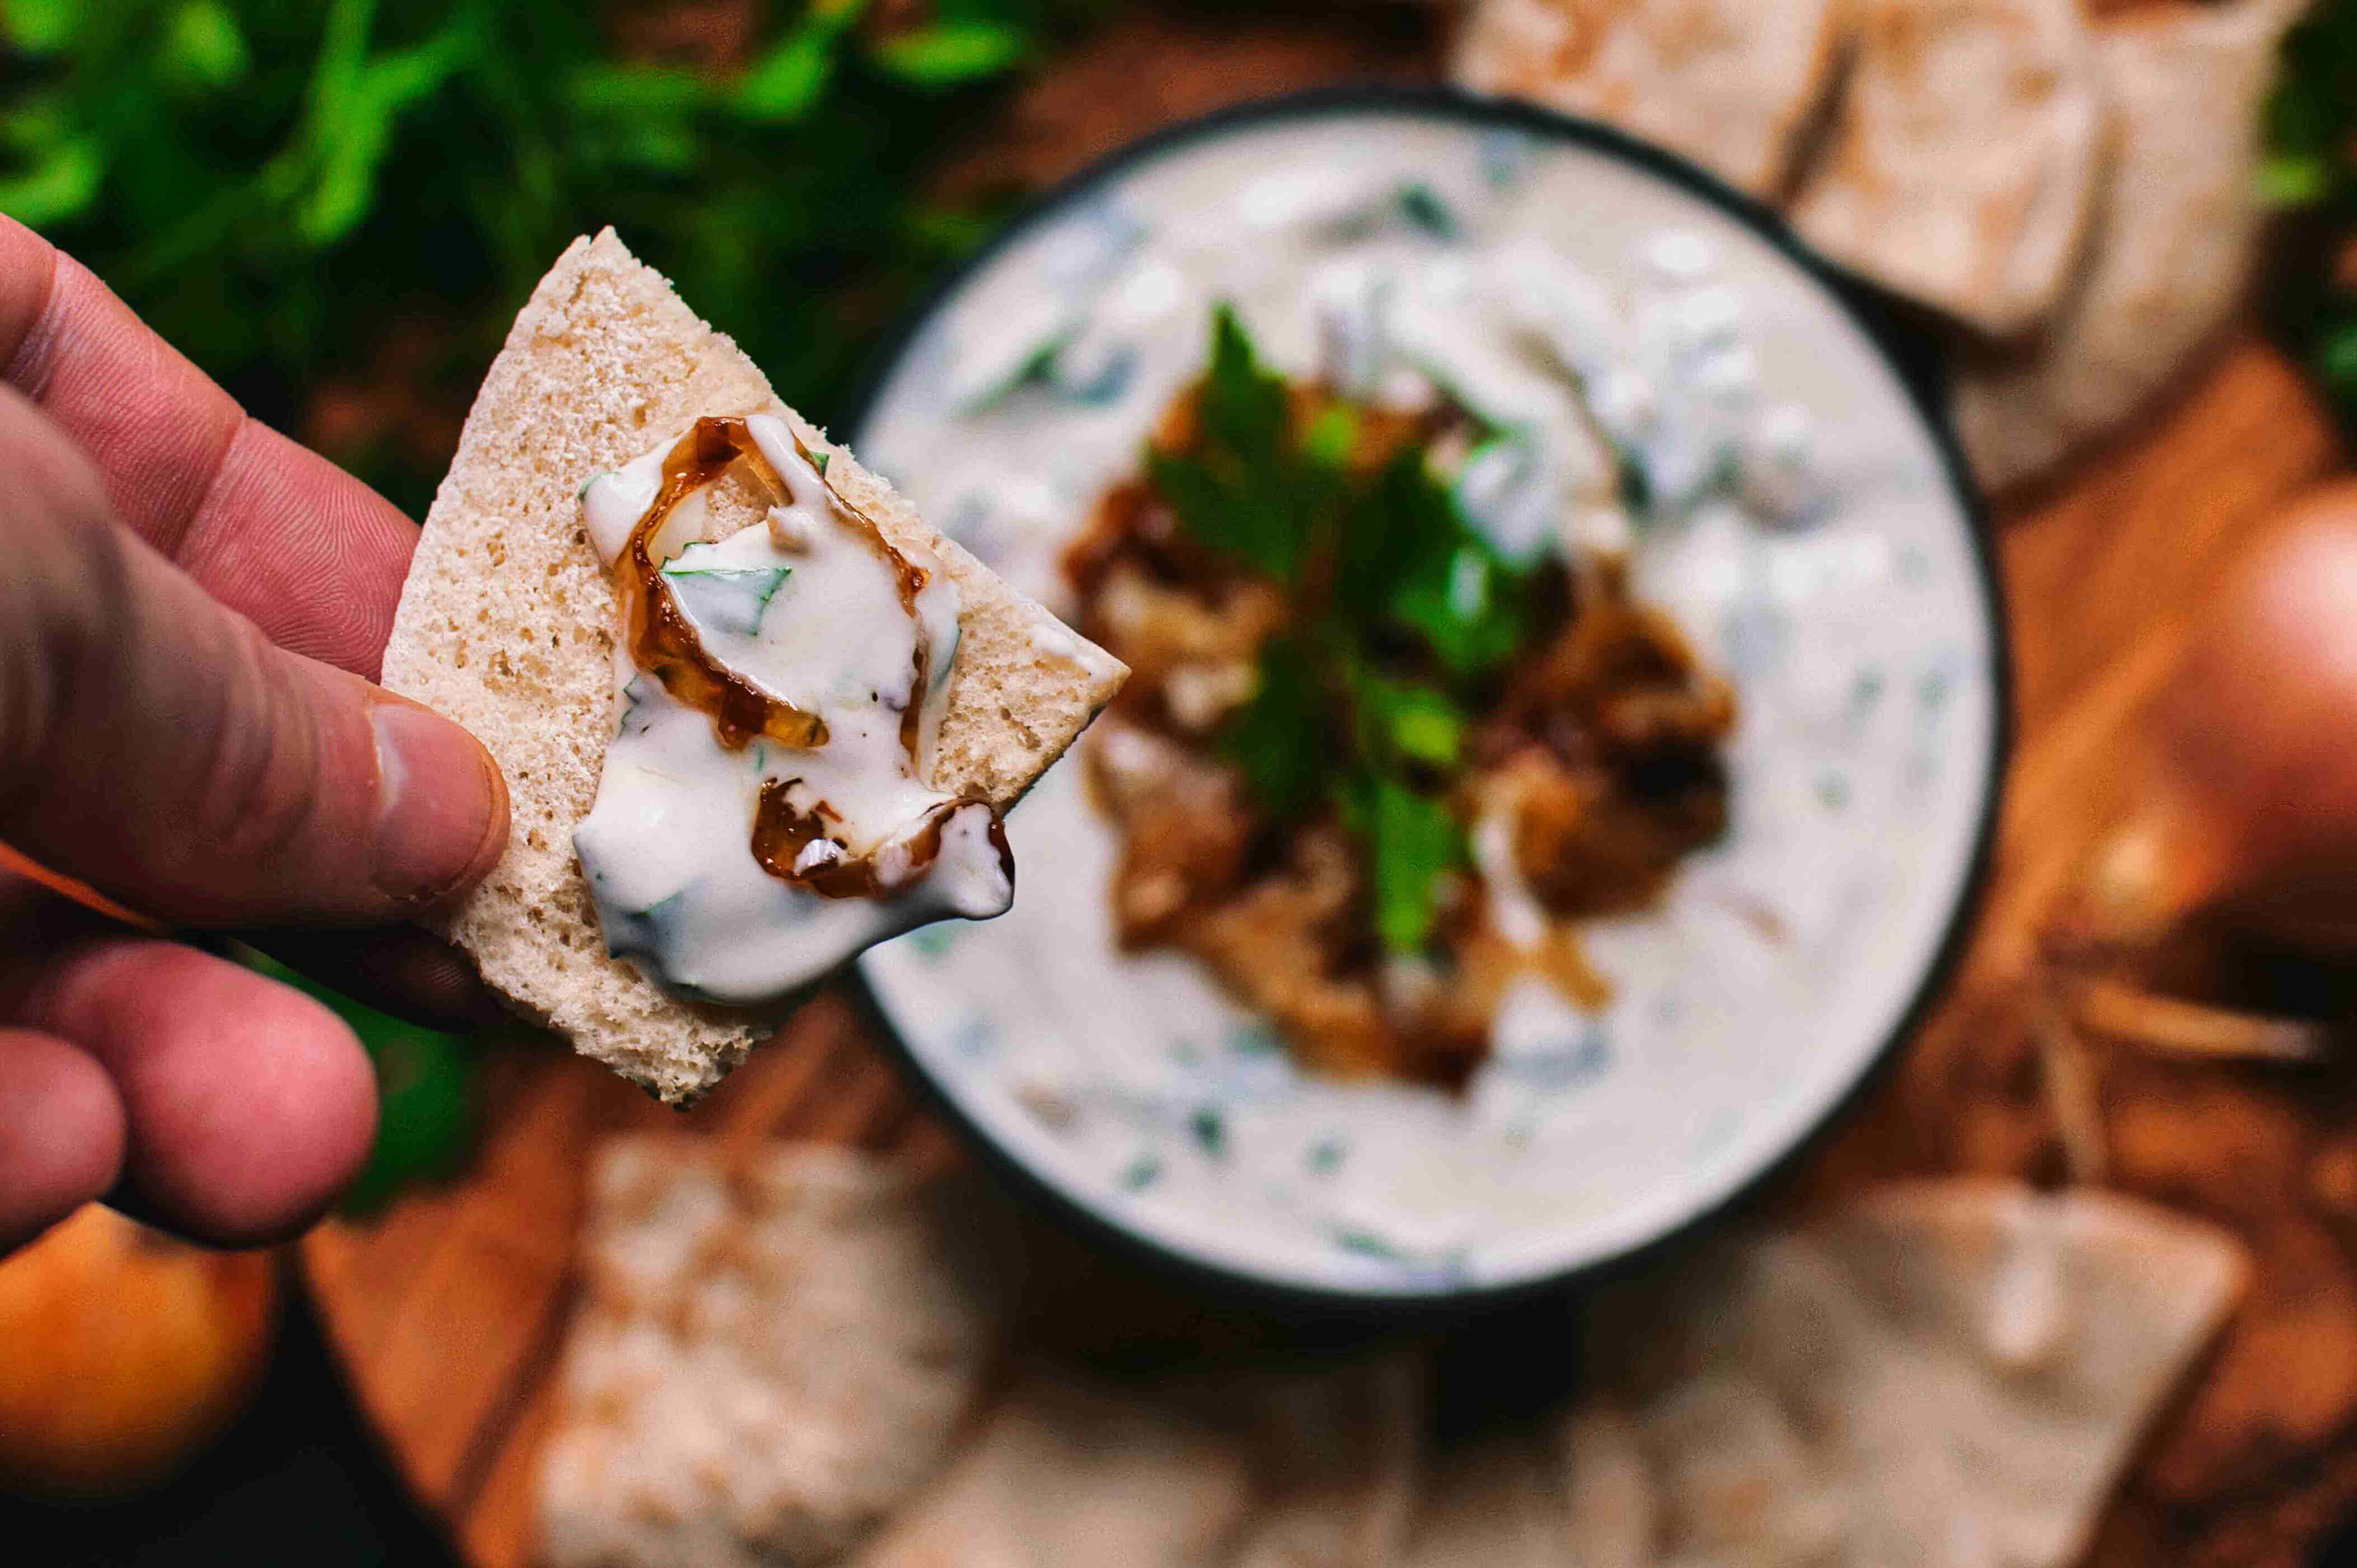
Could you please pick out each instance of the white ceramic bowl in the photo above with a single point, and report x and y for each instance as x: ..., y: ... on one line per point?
x: 1785, y: 962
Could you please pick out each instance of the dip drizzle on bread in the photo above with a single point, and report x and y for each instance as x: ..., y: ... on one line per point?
x: 790, y: 680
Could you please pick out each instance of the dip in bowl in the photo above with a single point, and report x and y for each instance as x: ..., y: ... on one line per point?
x: 1616, y: 372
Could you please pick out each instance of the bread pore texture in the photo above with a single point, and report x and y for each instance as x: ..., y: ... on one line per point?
x: 508, y: 624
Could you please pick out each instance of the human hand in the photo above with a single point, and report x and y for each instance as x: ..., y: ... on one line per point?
x: 192, y: 608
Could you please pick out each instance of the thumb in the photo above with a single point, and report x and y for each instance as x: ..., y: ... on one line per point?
x: 157, y: 745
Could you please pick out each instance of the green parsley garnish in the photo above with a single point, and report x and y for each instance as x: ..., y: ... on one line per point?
x: 1403, y: 618
x: 1247, y: 489
x: 1413, y: 722
x: 274, y: 186
x: 1415, y: 838
x: 1274, y: 738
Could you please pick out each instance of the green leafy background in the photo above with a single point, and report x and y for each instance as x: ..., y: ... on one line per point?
x: 282, y: 187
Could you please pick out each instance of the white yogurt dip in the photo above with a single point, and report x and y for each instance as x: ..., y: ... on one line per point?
x: 815, y: 616
x: 1662, y: 380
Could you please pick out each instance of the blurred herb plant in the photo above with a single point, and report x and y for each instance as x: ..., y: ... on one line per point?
x: 2310, y: 169
x: 273, y: 183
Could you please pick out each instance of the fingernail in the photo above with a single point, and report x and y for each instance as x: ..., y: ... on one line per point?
x: 437, y: 796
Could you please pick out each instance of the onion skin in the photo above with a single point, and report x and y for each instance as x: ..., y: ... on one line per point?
x: 123, y: 1351
x: 2256, y: 734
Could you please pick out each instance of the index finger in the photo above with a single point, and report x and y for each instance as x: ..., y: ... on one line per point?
x: 310, y: 554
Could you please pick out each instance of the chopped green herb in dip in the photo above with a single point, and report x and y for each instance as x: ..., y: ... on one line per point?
x: 730, y: 599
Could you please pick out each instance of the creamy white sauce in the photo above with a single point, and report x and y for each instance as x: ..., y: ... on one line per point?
x: 806, y: 610
x: 1797, y: 521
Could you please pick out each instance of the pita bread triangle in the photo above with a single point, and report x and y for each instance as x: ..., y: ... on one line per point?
x: 772, y: 1351
x: 1951, y: 1374
x: 1962, y: 163
x: 1732, y: 84
x: 2172, y: 251
x: 507, y: 624
x: 1310, y: 1470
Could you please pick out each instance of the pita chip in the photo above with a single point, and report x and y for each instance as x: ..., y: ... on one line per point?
x: 1342, y: 1458
x: 1942, y: 1374
x: 507, y: 624
x: 1608, y: 1498
x: 1961, y: 166
x: 1731, y: 84
x: 1494, y: 1504
x: 1069, y: 1471
x: 2174, y: 245
x: 1065, y: 1472
x: 770, y: 1354
x: 1951, y: 1374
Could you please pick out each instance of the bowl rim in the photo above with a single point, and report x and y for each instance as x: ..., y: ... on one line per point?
x: 1913, y: 355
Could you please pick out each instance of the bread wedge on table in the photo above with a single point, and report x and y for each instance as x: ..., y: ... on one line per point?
x: 774, y: 1349
x: 1967, y: 149
x: 1732, y: 84
x: 508, y: 624
x: 2174, y: 248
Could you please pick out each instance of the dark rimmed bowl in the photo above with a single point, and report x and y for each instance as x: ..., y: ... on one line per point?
x: 953, y: 1058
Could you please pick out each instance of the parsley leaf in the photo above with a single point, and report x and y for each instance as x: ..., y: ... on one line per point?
x: 1422, y: 206
x: 1467, y: 604
x: 1277, y: 739
x: 1219, y: 505
x: 1414, y: 840
x: 1332, y: 435
x: 1241, y: 489
x: 944, y: 54
x: 1404, y: 556
x: 1244, y: 402
x: 1409, y: 723
x: 729, y: 599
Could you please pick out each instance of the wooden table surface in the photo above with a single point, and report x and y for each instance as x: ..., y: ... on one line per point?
x: 449, y: 1308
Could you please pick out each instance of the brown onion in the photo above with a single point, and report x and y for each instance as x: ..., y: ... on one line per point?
x: 122, y: 1350
x: 2256, y: 735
